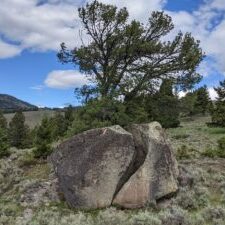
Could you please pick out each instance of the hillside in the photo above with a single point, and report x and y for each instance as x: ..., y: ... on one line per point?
x: 28, y: 189
x: 9, y: 104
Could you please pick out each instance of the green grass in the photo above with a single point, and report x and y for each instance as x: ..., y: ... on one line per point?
x: 200, y: 203
x: 195, y: 134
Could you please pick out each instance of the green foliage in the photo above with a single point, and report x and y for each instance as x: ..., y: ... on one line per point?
x: 218, y: 152
x: 3, y: 121
x: 58, y: 125
x: 127, y: 58
x: 221, y: 144
x: 69, y: 115
x: 106, y: 112
x: 203, y: 101
x: 4, y: 143
x: 27, y: 159
x: 184, y: 152
x: 18, y: 131
x: 43, y: 139
x: 196, y: 102
x: 164, y: 106
x: 218, y: 113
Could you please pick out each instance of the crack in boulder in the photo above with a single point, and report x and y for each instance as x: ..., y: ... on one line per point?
x: 114, y: 166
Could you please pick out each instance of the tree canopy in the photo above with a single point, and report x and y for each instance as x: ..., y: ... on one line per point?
x: 125, y: 57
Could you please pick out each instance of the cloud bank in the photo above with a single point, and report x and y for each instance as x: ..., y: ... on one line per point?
x: 64, y: 79
x: 41, y: 25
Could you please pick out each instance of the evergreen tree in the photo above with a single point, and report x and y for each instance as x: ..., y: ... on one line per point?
x: 58, y: 125
x: 126, y: 57
x: 164, y: 106
x: 187, y: 104
x: 69, y: 115
x: 18, y: 131
x: 202, y: 101
x: 3, y: 121
x: 4, y: 144
x: 218, y: 113
x: 43, y: 139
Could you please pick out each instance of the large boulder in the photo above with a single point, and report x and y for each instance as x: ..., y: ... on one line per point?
x: 157, y: 176
x: 93, y: 166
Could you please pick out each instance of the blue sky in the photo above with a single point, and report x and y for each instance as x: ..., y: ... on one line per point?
x: 31, y: 31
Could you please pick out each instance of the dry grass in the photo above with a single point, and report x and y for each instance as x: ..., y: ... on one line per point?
x: 32, y: 118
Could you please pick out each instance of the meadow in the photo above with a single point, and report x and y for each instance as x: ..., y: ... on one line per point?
x: 28, y: 187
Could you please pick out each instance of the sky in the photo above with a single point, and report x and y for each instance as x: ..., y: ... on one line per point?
x: 31, y: 32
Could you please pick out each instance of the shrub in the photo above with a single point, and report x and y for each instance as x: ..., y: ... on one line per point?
x: 145, y: 218
x: 174, y: 216
x: 105, y: 112
x: 218, y: 152
x: 211, y: 214
x: 184, y: 152
x: 181, y: 136
x: 221, y: 144
x: 27, y: 159
x: 193, y: 199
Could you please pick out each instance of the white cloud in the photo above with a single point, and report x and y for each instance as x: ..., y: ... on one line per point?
x: 64, y: 79
x: 139, y: 10
x: 212, y: 93
x: 41, y: 25
x: 208, y: 25
x: 8, y: 50
x: 38, y: 87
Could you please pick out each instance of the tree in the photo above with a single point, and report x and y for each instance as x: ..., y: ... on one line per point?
x: 218, y: 113
x: 128, y: 58
x: 202, y: 102
x: 164, y: 106
x: 43, y: 139
x: 187, y: 104
x: 69, y: 115
x: 4, y: 144
x: 18, y: 131
x: 3, y: 121
x: 58, y: 125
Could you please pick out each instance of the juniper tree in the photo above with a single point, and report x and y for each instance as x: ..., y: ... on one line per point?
x: 125, y: 57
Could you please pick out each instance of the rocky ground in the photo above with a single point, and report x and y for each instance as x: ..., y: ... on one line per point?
x: 29, y: 196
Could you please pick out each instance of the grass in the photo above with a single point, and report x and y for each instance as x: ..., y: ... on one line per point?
x: 33, y: 118
x: 195, y: 134
x: 200, y: 199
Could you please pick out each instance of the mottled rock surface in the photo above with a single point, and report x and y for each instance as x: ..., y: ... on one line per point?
x: 157, y: 176
x: 92, y: 166
x: 107, y: 166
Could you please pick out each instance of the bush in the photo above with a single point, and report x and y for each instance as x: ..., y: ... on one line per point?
x: 184, y: 152
x: 106, y: 112
x: 219, y: 152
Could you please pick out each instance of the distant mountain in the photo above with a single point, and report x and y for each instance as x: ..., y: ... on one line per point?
x: 11, y: 104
